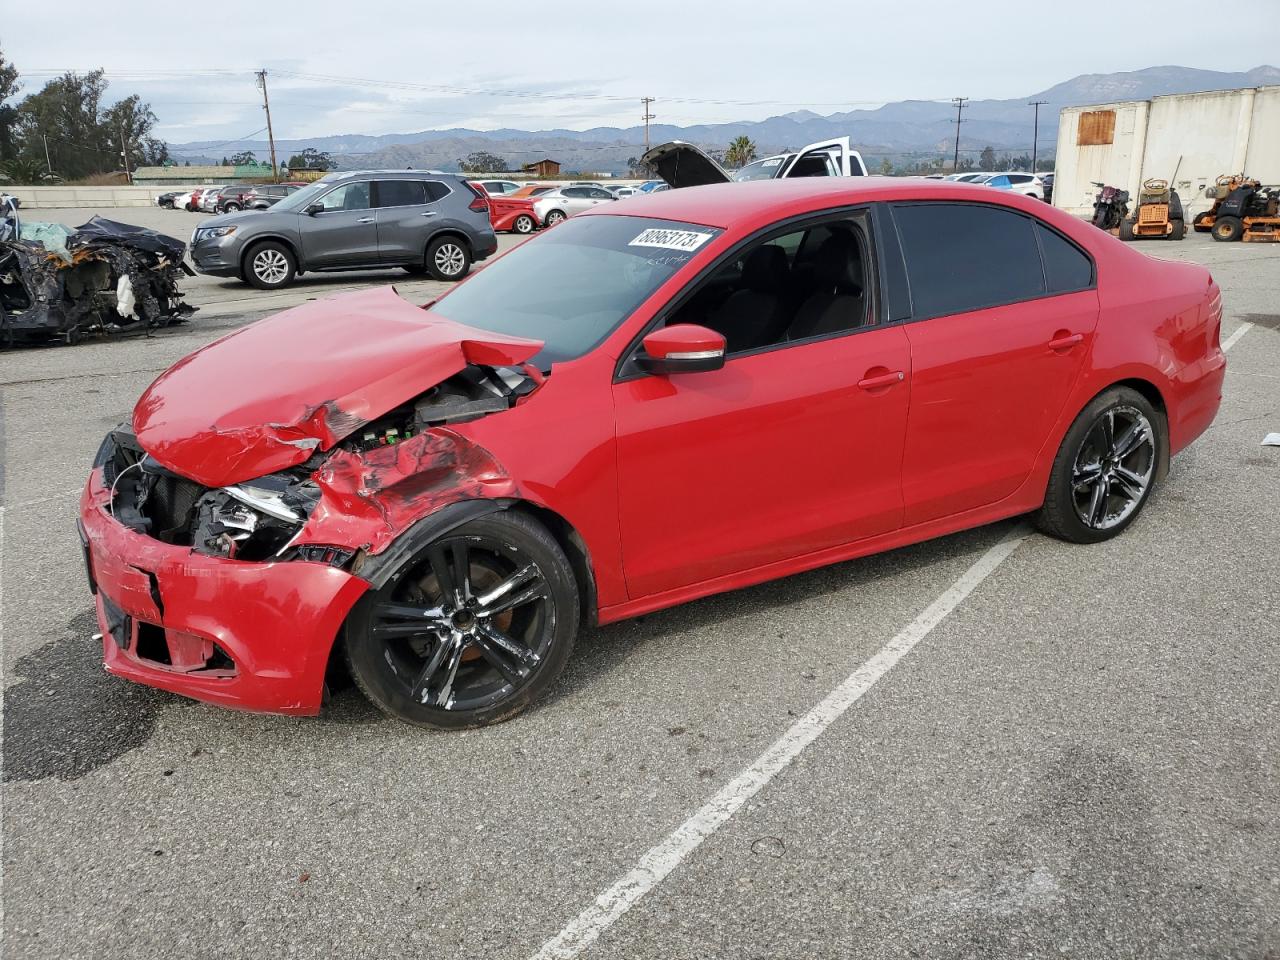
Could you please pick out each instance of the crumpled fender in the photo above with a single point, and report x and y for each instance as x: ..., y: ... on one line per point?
x: 368, y: 499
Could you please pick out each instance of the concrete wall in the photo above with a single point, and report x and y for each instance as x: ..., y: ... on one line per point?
x: 1201, y: 135
x: 36, y: 198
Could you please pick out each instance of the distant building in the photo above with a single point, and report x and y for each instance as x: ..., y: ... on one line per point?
x: 543, y: 168
x: 1201, y: 135
x: 176, y: 176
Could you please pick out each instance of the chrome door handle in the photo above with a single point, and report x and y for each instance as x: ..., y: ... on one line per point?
x: 430, y: 213
x: 365, y: 220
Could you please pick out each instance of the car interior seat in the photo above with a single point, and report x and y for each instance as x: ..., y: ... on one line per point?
x: 755, y: 314
x: 836, y: 302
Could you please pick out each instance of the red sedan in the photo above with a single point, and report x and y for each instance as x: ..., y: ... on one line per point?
x: 687, y: 393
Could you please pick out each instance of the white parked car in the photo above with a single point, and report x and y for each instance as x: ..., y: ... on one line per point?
x: 1027, y: 184
x: 621, y: 192
x: 682, y: 164
x: 973, y: 176
x: 498, y: 188
x: 558, y: 205
x: 209, y: 199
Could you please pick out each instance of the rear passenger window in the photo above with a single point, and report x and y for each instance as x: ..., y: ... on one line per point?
x: 401, y: 193
x: 1066, y: 268
x: 963, y: 257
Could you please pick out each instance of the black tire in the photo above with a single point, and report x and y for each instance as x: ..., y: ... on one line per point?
x: 1126, y: 230
x: 523, y: 224
x: 269, y: 265
x: 1202, y: 223
x: 1228, y: 229
x: 1179, y: 229
x: 1101, y: 216
x: 448, y: 258
x: 473, y: 682
x: 1073, y: 510
x: 231, y: 208
x: 553, y: 217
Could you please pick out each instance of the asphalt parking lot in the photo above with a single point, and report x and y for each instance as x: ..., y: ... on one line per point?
x: 1071, y: 751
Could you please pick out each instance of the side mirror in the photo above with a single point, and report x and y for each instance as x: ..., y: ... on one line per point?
x: 313, y: 209
x: 682, y: 348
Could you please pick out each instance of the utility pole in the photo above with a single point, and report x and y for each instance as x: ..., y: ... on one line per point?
x: 646, y: 118
x: 1035, y: 131
x: 48, y: 164
x: 959, y: 102
x: 271, y: 137
x: 124, y: 152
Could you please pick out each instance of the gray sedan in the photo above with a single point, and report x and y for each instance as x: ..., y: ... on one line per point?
x: 433, y: 223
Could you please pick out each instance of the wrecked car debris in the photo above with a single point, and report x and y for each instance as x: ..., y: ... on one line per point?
x: 101, y: 277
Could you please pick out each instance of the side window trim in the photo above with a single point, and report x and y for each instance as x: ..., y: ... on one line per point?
x: 1039, y: 252
x: 624, y: 370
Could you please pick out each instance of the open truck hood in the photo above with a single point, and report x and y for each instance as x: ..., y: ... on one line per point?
x: 684, y: 165
x: 267, y: 396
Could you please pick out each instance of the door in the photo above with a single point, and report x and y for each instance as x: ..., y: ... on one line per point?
x: 344, y: 232
x: 577, y: 199
x: 827, y: 158
x: 404, y: 215
x: 794, y: 446
x: 1004, y: 311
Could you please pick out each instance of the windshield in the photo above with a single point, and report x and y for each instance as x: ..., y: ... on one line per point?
x: 303, y: 197
x: 765, y: 169
x: 575, y: 284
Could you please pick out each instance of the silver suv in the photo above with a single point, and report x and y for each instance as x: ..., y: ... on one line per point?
x: 432, y: 223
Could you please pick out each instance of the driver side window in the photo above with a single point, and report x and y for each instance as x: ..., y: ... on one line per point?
x: 808, y: 283
x: 350, y: 196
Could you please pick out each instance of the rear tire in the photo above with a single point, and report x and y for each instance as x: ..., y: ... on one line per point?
x: 523, y: 224
x: 1202, y: 223
x: 270, y: 265
x: 1105, y: 469
x: 231, y: 208
x: 554, y: 217
x: 1126, y: 230
x: 448, y: 259
x: 1179, y: 229
x: 1228, y: 229
x: 424, y: 658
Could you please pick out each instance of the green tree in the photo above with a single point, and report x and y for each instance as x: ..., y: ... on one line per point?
x: 987, y: 160
x: 311, y: 159
x: 482, y: 161
x: 243, y: 158
x: 8, y: 113
x: 886, y: 167
x: 741, y: 151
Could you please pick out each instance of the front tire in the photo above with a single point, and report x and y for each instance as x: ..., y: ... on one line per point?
x: 448, y: 259
x: 1228, y: 229
x: 1105, y: 469
x: 1202, y: 223
x: 231, y: 208
x: 471, y: 629
x: 1126, y: 230
x: 553, y: 217
x: 270, y: 266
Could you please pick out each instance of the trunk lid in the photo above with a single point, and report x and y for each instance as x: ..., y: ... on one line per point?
x: 267, y: 396
x: 684, y: 165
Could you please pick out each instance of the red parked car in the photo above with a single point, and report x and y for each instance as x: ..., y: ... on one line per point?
x: 512, y: 214
x: 687, y: 393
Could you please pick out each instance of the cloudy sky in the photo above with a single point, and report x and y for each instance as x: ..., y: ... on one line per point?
x: 339, y: 67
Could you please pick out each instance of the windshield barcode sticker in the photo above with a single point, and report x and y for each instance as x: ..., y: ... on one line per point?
x: 685, y: 240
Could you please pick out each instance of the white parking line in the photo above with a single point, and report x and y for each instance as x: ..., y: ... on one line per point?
x: 1236, y: 334
x: 654, y: 866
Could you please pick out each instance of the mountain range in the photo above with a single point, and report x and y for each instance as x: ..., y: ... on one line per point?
x: 902, y: 130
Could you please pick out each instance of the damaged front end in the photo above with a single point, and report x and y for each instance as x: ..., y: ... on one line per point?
x: 102, y: 277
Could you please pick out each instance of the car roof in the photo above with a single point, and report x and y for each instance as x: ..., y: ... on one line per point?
x: 753, y: 201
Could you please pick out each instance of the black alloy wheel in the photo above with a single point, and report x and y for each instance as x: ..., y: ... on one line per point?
x: 1105, y: 469
x: 471, y: 629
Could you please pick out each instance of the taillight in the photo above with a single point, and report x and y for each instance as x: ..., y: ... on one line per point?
x: 481, y: 202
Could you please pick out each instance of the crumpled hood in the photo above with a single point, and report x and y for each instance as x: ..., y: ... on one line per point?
x: 267, y: 396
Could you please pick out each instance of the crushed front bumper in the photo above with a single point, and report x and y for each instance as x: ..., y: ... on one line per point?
x: 248, y: 635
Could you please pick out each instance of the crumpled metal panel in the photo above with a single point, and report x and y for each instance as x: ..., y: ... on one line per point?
x: 252, y: 403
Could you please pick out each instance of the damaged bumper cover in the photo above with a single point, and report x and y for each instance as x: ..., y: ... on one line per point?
x: 108, y: 277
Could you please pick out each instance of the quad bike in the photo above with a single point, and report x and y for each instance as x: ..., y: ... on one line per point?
x: 1110, y: 207
x: 1243, y: 209
x: 1159, y: 214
